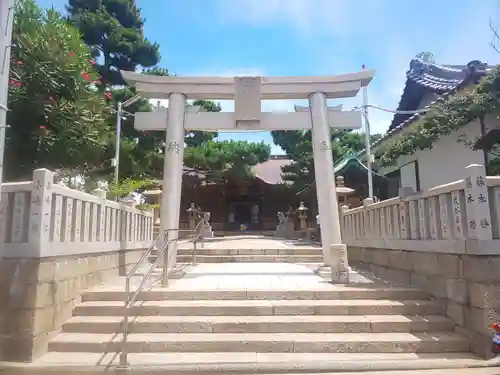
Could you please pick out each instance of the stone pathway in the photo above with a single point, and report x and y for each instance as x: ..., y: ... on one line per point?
x: 254, y: 276
x: 251, y: 242
x: 224, y: 276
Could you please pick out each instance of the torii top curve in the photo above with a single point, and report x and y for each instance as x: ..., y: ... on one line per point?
x: 223, y: 88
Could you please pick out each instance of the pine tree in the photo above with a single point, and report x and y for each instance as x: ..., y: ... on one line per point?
x: 114, y: 31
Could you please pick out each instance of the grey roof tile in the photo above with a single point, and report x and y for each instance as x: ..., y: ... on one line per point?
x: 441, y: 80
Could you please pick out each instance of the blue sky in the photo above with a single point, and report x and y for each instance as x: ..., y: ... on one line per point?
x: 316, y: 37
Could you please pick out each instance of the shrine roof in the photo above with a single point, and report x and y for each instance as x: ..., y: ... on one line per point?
x: 352, y: 161
x: 270, y: 171
x: 348, y: 162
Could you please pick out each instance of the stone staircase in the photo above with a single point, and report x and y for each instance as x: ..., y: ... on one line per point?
x: 307, y: 254
x: 358, y: 328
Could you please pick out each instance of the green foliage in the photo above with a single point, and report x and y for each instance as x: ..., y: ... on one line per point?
x: 127, y: 186
x: 228, y: 160
x: 192, y: 138
x: 196, y: 138
x: 57, y: 118
x: 298, y: 147
x: 444, y: 117
x: 142, y: 152
x: 156, y: 71
x: 427, y: 57
x: 114, y: 31
x: 147, y: 206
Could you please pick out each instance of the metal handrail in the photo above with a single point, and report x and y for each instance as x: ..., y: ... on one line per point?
x: 198, y: 231
x: 130, y: 301
x: 150, y: 249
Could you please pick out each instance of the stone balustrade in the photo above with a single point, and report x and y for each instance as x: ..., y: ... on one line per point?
x: 460, y: 217
x: 41, y: 219
x: 446, y: 239
x: 55, y: 243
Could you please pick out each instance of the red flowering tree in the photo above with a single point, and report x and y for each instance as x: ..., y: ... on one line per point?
x: 56, y: 114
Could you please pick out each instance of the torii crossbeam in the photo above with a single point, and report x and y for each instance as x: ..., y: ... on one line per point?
x: 248, y: 93
x: 225, y: 121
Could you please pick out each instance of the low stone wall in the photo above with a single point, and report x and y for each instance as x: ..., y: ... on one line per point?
x: 467, y: 286
x: 38, y: 295
x: 56, y: 242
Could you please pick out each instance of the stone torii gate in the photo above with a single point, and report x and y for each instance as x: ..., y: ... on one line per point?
x: 248, y: 93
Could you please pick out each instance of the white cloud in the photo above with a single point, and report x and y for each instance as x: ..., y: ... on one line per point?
x: 308, y: 16
x: 456, y: 45
x: 456, y: 35
x: 391, y: 42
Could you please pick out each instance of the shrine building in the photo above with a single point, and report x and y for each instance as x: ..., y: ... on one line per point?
x: 256, y: 202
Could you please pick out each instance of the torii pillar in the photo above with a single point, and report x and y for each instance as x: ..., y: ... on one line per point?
x: 170, y: 206
x: 247, y: 93
x: 336, y: 253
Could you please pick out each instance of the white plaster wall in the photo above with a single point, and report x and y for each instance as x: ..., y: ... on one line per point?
x: 445, y: 162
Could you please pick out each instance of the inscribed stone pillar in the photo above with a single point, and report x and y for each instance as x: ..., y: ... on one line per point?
x: 333, y: 249
x: 172, y: 175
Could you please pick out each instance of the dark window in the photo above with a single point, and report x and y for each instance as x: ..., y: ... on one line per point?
x: 394, y: 183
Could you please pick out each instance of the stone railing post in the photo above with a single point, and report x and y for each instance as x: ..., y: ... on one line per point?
x: 477, y: 203
x: 346, y: 229
x: 368, y: 224
x: 131, y: 228
x: 404, y: 220
x: 99, y: 214
x: 40, y: 211
x: 445, y: 215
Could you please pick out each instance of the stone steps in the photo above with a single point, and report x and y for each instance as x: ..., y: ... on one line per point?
x: 245, y: 363
x: 262, y: 343
x: 260, y: 307
x: 261, y: 324
x: 230, y: 255
x: 343, y: 293
x: 234, y: 252
x: 251, y: 258
x: 306, y: 327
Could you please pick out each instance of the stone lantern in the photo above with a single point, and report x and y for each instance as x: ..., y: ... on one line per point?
x: 302, y: 215
x: 153, y: 197
x: 342, y: 190
x: 129, y: 200
x: 192, y: 216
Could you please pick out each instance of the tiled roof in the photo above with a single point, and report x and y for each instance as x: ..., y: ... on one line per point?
x: 424, y: 77
x: 270, y: 171
x: 439, y: 78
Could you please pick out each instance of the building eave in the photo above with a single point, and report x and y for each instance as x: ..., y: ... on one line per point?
x: 427, y: 76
